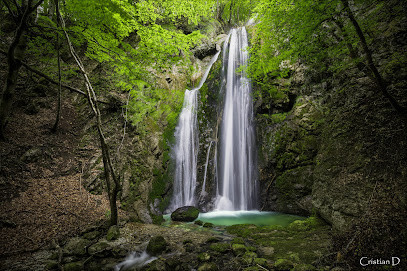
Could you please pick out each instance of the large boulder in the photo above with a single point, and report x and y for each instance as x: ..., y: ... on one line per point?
x: 185, y: 214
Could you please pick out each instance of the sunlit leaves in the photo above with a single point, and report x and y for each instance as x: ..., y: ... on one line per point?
x: 130, y: 37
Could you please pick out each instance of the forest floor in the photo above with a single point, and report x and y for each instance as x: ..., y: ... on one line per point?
x: 42, y: 200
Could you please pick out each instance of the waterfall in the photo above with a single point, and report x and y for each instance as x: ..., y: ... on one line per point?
x: 237, y: 182
x: 206, y: 169
x: 185, y: 151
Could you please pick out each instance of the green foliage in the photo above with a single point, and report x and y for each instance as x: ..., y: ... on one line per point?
x: 279, y: 117
x: 237, y: 11
x: 317, y: 33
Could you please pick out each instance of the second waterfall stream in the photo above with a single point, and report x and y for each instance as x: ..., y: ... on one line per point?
x: 186, y: 146
x: 237, y: 184
x: 235, y: 164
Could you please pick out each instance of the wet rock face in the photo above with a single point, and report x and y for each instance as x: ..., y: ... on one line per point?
x: 185, y: 214
x: 288, y: 147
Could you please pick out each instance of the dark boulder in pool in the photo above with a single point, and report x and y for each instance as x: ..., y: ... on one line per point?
x: 185, y: 214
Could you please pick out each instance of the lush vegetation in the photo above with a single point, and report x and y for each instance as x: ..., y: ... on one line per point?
x: 118, y: 53
x: 328, y: 36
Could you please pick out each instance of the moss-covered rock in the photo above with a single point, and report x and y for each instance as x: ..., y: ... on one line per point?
x: 185, y: 214
x: 304, y: 267
x: 113, y: 233
x: 204, y: 257
x: 157, y: 245
x: 283, y: 264
x: 267, y: 251
x: 74, y: 266
x: 208, y: 225
x: 220, y: 247
x: 208, y: 267
x: 305, y: 225
x: 91, y: 235
x: 238, y: 249
x: 76, y: 246
x: 261, y: 261
x: 157, y: 265
x: 100, y: 249
x: 248, y: 257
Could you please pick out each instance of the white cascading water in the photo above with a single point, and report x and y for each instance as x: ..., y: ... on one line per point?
x: 203, y: 192
x: 237, y: 182
x: 186, y: 147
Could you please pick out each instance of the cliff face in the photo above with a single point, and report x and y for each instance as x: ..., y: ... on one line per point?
x: 333, y: 145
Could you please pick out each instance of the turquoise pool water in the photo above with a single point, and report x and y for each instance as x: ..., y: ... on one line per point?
x: 228, y: 218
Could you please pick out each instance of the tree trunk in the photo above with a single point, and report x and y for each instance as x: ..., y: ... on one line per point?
x: 59, y: 105
x: 112, y: 181
x: 16, y: 49
x: 231, y: 11
x: 368, y: 54
x: 15, y: 53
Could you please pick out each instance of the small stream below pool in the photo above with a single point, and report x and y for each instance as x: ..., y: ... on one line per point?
x: 219, y: 219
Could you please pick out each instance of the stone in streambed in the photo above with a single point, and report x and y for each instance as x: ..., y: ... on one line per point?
x: 239, y: 249
x: 208, y: 267
x: 113, y: 233
x: 157, y: 245
x: 283, y: 264
x: 76, y: 246
x: 75, y: 266
x: 185, y: 214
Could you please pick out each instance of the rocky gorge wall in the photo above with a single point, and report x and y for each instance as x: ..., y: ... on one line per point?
x: 332, y: 144
x: 145, y: 162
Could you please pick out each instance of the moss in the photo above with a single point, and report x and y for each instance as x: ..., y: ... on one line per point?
x: 204, y: 257
x: 220, y: 247
x: 238, y: 249
x: 306, y: 225
x: 283, y: 264
x: 248, y: 257
x: 253, y: 268
x: 304, y: 267
x: 278, y: 242
x: 198, y: 222
x: 75, y: 266
x: 157, y: 245
x: 238, y: 240
x: 113, y: 233
x: 279, y: 117
x: 242, y: 230
x: 261, y: 261
x: 208, y: 225
x: 185, y: 214
x: 98, y: 247
x: 208, y: 267
x: 76, y: 246
x: 158, y: 219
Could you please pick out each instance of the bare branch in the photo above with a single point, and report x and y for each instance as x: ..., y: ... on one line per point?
x: 9, y: 8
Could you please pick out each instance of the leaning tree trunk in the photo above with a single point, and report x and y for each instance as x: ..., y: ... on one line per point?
x: 15, y: 50
x: 376, y: 76
x: 112, y: 181
x: 15, y: 53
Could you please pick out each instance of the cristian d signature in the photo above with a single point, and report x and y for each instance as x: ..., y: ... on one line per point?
x: 365, y: 261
